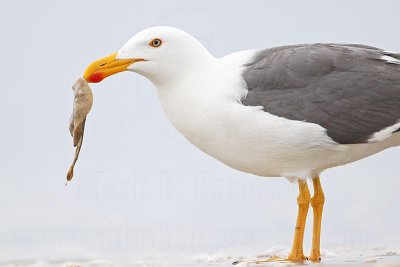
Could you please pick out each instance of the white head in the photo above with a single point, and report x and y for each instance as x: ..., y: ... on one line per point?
x: 162, y: 54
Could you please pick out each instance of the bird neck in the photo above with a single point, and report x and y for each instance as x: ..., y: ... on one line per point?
x: 176, y: 70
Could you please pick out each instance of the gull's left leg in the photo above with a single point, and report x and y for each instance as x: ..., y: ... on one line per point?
x: 303, y: 201
x: 317, y: 203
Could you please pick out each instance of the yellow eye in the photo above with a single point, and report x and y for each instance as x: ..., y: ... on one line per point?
x: 155, y: 42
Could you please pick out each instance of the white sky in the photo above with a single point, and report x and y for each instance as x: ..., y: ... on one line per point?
x: 140, y: 189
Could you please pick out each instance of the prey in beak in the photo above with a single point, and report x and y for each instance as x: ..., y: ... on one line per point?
x: 107, y: 66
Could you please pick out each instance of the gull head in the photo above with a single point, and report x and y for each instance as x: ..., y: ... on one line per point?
x: 161, y: 54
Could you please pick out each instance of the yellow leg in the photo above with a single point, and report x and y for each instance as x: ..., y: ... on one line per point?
x: 317, y: 202
x: 303, y: 201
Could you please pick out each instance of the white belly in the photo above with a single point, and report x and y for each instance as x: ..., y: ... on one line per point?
x: 253, y: 141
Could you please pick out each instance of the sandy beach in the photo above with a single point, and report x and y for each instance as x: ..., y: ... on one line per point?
x: 368, y: 258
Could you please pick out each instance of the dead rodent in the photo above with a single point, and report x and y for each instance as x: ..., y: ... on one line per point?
x: 83, y: 102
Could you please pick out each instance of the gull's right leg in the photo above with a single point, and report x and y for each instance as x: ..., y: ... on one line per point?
x: 317, y: 203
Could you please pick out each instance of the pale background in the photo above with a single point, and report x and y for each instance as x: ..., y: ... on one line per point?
x: 140, y: 189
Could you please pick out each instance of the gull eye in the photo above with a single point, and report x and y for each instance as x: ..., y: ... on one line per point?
x: 155, y: 42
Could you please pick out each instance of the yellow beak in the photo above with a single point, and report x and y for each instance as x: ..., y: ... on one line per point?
x: 107, y: 66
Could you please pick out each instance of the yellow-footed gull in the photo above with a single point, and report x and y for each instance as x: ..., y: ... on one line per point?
x: 291, y: 111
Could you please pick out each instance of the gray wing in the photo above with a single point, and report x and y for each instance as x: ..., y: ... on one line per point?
x: 353, y: 91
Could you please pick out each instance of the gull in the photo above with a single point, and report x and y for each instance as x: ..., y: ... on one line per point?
x: 291, y: 111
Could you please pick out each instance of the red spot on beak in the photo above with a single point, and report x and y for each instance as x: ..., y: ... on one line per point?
x: 96, y: 77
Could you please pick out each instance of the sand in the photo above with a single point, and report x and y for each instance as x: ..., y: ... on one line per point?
x: 366, y: 258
